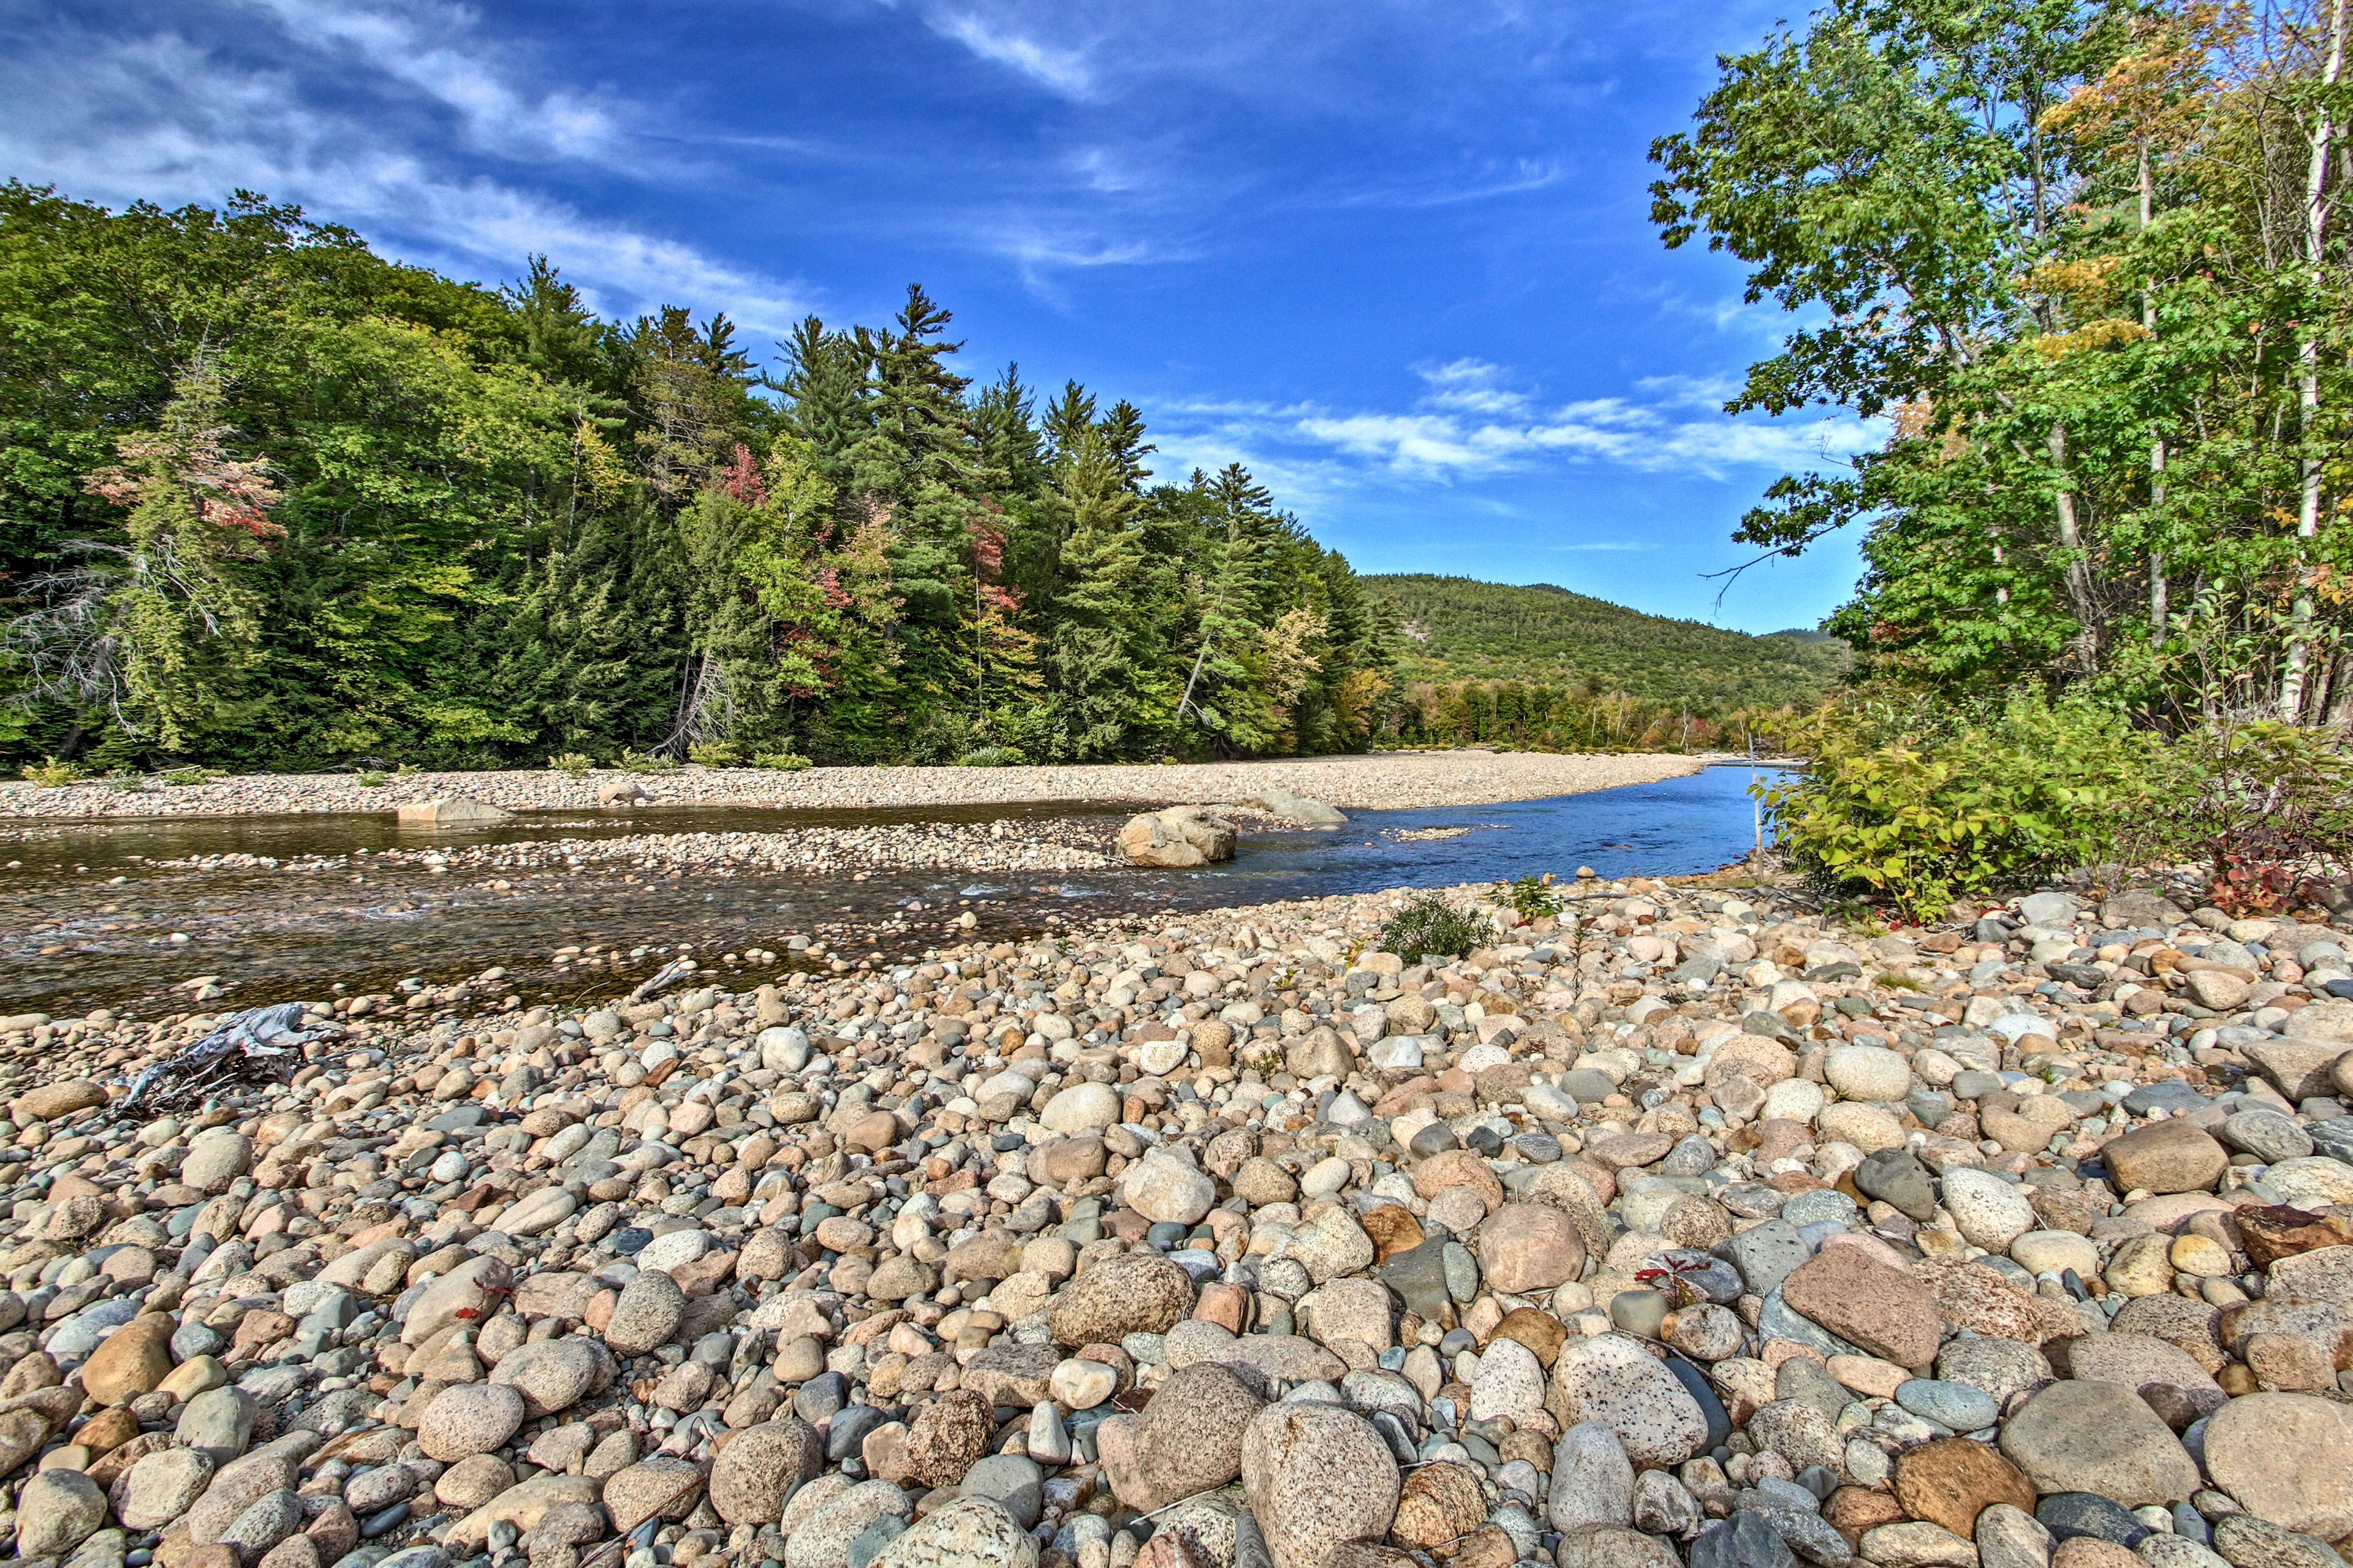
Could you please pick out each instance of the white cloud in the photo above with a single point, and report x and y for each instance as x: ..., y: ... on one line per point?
x: 1064, y: 71
x: 1473, y: 425
x: 169, y: 117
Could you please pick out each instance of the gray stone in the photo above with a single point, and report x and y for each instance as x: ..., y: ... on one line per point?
x: 1592, y: 1480
x: 1746, y: 1539
x: 57, y: 1511
x: 760, y: 1467
x: 1765, y: 1254
x: 2098, y: 1438
x: 648, y: 1313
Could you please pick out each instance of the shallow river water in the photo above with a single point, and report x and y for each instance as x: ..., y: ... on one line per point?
x: 86, y: 918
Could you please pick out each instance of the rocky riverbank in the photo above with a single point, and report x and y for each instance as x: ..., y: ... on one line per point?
x: 1381, y: 780
x: 1684, y: 1228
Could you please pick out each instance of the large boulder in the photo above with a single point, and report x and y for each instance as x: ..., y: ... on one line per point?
x: 1177, y: 837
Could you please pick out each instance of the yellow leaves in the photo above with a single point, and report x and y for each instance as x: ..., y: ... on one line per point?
x: 1353, y: 699
x: 2086, y: 282
x: 1285, y: 644
x: 2110, y: 333
x: 2330, y: 586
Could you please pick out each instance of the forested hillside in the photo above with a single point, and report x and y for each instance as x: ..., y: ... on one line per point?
x: 268, y: 499
x: 1454, y: 628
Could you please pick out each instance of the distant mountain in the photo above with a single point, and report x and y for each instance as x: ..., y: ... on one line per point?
x: 1455, y: 628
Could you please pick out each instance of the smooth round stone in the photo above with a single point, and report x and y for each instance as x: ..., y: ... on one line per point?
x: 1538, y: 1148
x: 1867, y: 1072
x: 631, y: 1239
x: 1953, y: 1405
x: 1642, y: 1313
x: 1164, y: 1234
x: 2055, y: 1252
x: 1083, y: 1384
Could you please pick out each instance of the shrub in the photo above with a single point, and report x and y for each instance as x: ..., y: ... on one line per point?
x: 51, y: 773
x: 782, y: 762
x: 180, y: 778
x: 716, y: 753
x: 371, y: 779
x: 1431, y: 925
x: 636, y: 762
x: 2267, y: 806
x: 1532, y: 897
x: 1917, y: 809
x: 992, y: 757
x: 577, y: 763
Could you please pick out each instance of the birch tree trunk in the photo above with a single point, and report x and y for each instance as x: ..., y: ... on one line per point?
x: 2307, y: 355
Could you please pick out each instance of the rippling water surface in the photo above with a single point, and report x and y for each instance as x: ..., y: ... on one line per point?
x: 86, y: 918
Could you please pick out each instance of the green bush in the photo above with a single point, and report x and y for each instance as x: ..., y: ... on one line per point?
x: 1532, y: 897
x: 992, y: 757
x: 51, y: 773
x: 371, y: 779
x: 637, y: 762
x: 716, y: 753
x: 782, y: 762
x: 1917, y: 809
x: 577, y: 763
x: 179, y: 778
x: 1429, y: 925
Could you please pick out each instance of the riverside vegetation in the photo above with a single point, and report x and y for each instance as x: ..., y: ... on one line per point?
x: 2089, y: 262
x: 1591, y: 1225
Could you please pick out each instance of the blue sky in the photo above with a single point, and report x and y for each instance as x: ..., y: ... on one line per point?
x: 1395, y: 257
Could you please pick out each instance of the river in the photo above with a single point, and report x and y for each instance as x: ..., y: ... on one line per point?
x: 88, y: 918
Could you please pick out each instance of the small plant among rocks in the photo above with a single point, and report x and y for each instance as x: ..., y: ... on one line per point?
x: 1533, y: 897
x: 782, y: 762
x: 190, y: 775
x: 372, y: 778
x: 1429, y: 925
x: 715, y: 755
x: 992, y: 757
x: 577, y: 763
x: 637, y: 762
x: 51, y: 773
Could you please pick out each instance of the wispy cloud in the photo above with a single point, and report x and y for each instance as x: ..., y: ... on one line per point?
x: 1059, y: 70
x: 1472, y: 385
x: 1473, y: 424
x: 433, y: 50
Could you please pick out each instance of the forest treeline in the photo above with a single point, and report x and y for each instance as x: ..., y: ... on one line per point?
x: 270, y: 500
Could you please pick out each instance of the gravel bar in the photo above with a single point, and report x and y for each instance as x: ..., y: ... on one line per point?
x: 1389, y: 779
